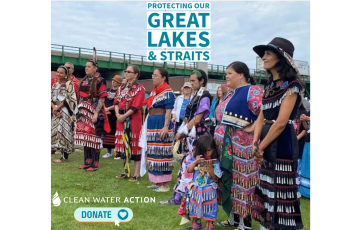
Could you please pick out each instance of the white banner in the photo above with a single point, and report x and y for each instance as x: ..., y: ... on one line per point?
x: 212, y: 87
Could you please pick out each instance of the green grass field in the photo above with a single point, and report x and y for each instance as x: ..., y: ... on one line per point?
x: 69, y: 181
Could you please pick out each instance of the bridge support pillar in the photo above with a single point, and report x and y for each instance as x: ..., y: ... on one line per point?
x: 202, y: 66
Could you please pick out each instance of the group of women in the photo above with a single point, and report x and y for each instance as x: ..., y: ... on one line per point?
x: 254, y: 132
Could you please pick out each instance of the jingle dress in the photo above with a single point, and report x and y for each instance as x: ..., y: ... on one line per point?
x: 109, y: 140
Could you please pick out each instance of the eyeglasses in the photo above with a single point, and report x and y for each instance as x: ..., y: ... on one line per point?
x: 155, y: 75
x: 127, y: 71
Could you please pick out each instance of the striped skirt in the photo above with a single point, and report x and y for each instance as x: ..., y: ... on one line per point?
x: 159, y: 151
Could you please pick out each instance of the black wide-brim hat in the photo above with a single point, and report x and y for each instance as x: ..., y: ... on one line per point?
x: 281, y: 46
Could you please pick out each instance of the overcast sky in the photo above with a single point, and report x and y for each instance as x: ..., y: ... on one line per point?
x: 236, y: 27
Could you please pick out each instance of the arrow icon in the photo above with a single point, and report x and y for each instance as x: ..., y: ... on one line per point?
x: 117, y: 223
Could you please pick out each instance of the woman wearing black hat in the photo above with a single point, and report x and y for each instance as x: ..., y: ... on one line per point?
x: 275, y: 146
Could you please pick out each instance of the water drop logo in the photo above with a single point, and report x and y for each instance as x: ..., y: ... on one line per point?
x: 56, y: 200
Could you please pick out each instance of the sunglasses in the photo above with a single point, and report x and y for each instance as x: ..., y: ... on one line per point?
x: 127, y: 71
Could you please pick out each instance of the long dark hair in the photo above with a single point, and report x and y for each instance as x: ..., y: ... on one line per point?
x: 202, y: 145
x: 164, y: 73
x: 241, y: 67
x: 286, y: 71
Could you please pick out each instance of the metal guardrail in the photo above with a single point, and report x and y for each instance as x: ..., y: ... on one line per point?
x: 102, y: 55
x: 86, y: 53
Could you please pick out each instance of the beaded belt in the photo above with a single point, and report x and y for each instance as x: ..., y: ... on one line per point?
x: 272, y: 121
x: 157, y: 111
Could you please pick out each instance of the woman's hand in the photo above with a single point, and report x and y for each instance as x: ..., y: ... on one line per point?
x: 198, y: 159
x: 179, y: 136
x: 257, y: 153
x: 303, y: 117
x: 163, y: 132
x: 210, y: 165
x: 72, y: 119
x: 121, y: 118
x: 213, y: 119
x: 58, y: 114
x: 55, y: 110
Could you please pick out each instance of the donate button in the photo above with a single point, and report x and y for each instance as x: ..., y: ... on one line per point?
x: 103, y: 215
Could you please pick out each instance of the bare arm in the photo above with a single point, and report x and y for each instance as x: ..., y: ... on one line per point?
x: 306, y: 126
x: 303, y: 133
x: 111, y: 107
x: 116, y: 107
x: 167, y: 118
x: 99, y: 105
x: 97, y: 110
x: 56, y: 108
x: 173, y: 117
x: 257, y: 132
x: 192, y: 166
x: 250, y: 128
x: 165, y: 129
x: 129, y: 113
x: 258, y: 127
x: 276, y: 129
x: 196, y: 120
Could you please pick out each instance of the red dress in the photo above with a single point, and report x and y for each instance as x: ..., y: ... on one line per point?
x: 85, y: 129
x: 129, y: 97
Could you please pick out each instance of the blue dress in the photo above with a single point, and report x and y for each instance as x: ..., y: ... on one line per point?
x: 304, y: 187
x: 202, y: 197
x: 159, y: 152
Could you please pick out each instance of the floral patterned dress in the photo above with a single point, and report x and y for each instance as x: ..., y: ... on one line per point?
x: 239, y: 149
